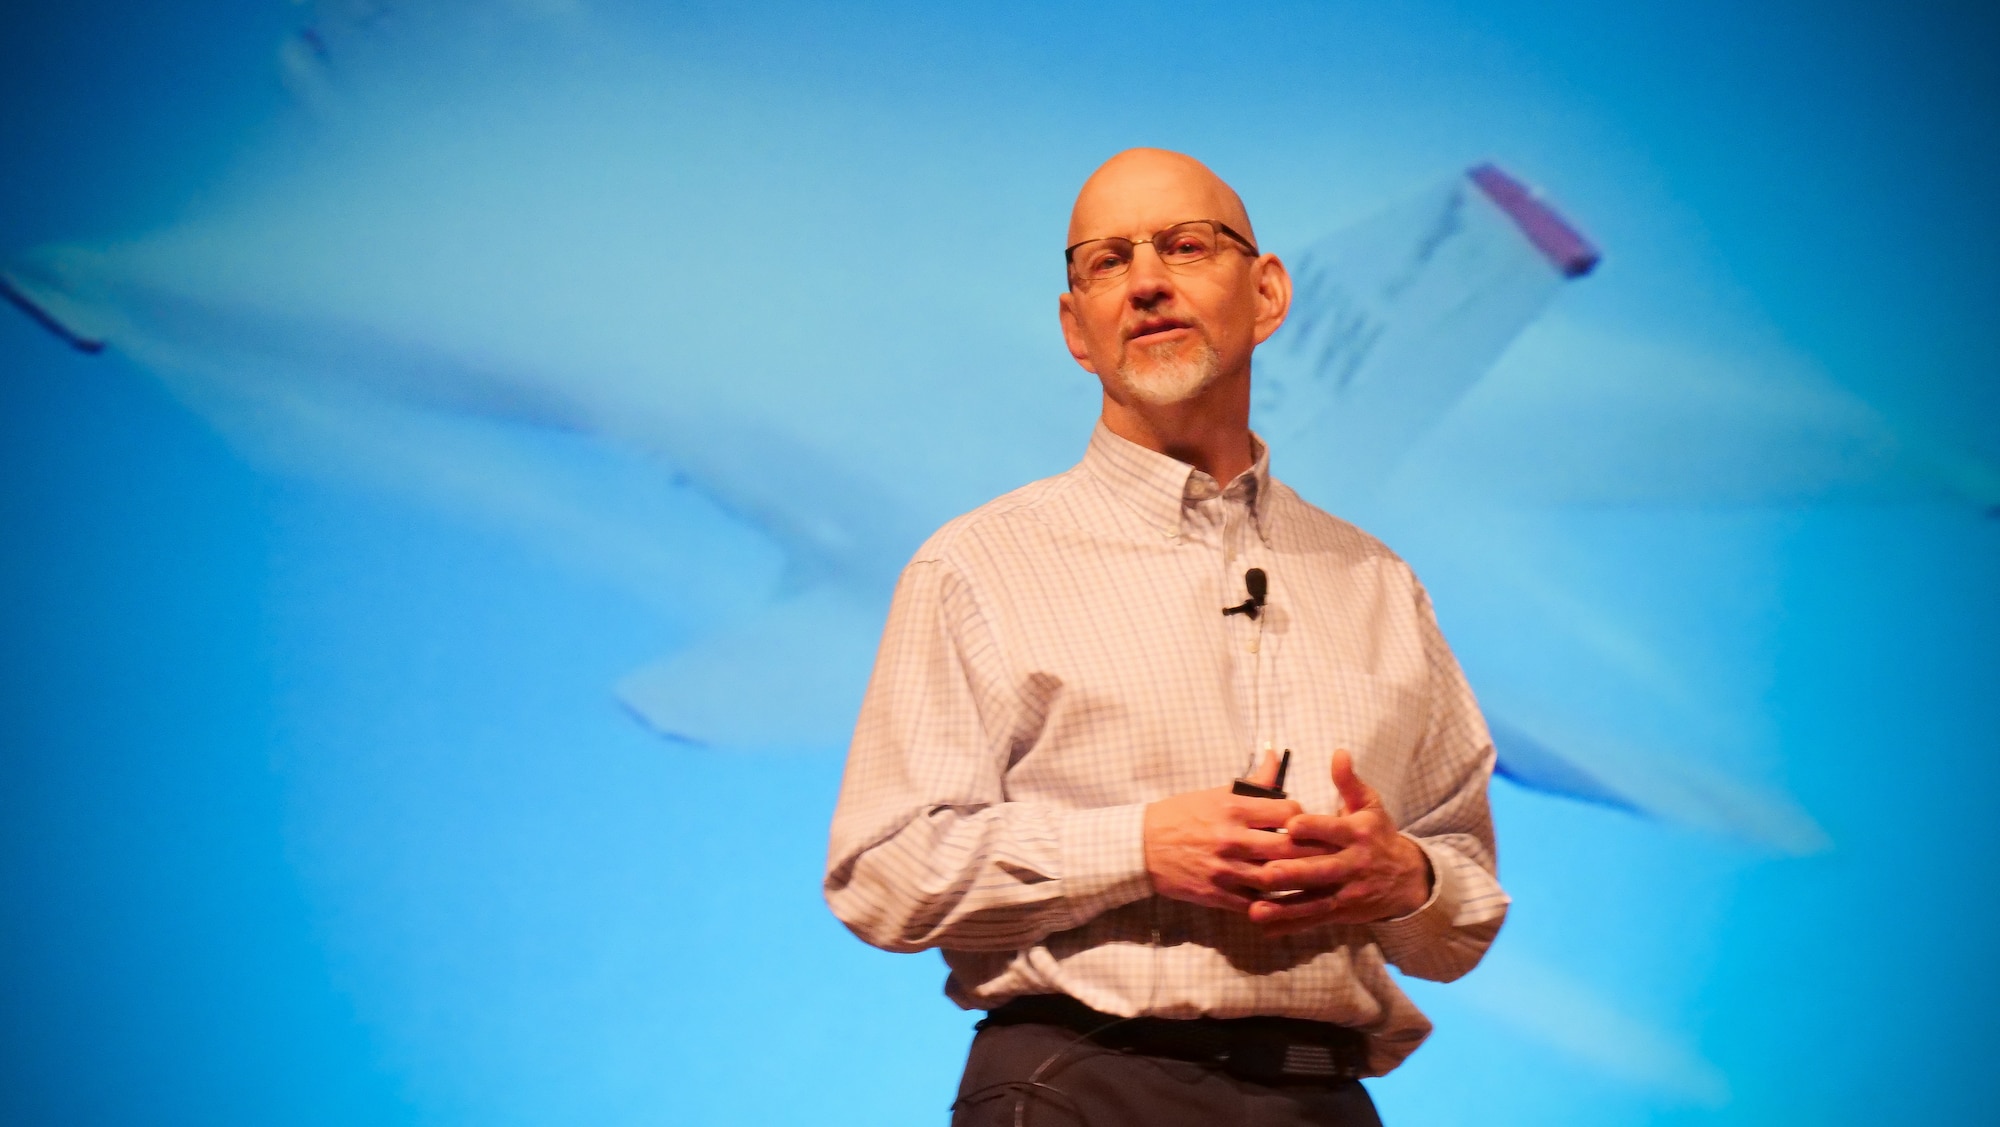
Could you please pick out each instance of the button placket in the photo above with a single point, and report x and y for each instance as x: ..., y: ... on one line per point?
x: 1224, y: 516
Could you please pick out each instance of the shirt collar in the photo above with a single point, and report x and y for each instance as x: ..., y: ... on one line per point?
x: 1160, y: 488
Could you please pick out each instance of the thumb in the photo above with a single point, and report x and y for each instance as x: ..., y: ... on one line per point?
x: 1355, y: 795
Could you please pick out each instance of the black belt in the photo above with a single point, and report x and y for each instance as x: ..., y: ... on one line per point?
x: 1262, y: 1050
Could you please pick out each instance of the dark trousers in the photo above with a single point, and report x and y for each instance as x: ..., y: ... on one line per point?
x: 1091, y: 1086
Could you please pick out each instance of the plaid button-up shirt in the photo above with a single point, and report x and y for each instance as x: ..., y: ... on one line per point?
x: 1057, y: 659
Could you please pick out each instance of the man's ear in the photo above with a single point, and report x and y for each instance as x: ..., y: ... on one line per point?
x: 1274, y: 296
x: 1072, y: 331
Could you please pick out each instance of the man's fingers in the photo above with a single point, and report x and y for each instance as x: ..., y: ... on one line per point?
x: 1348, y: 904
x: 1294, y: 927
x: 1354, y: 794
x: 1310, y: 874
x: 1233, y: 886
x: 1263, y: 813
x: 1271, y: 925
x: 1302, y: 906
x: 1228, y: 901
x: 1263, y: 845
x: 1338, y: 831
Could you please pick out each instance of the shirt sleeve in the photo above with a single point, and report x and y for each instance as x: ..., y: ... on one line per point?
x: 1444, y: 809
x: 925, y: 849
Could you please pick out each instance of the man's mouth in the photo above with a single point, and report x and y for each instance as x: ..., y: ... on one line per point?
x: 1152, y: 328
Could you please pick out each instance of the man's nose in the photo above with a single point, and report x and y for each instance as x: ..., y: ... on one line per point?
x: 1147, y: 279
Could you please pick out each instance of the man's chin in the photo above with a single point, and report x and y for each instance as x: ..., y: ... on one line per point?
x: 1155, y: 395
x: 1170, y: 381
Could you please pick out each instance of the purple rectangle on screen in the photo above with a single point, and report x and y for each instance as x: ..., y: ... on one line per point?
x: 1559, y: 242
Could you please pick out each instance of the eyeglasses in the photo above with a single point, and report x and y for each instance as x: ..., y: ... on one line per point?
x: 1100, y: 260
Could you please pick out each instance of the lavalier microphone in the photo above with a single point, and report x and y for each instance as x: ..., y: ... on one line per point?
x: 1257, y: 584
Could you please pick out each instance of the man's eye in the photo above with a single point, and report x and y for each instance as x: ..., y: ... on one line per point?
x: 1103, y: 260
x: 1188, y: 246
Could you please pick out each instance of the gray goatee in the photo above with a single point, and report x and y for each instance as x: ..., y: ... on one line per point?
x: 1170, y: 379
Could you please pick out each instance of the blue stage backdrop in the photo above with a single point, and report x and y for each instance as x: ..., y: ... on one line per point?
x: 453, y: 456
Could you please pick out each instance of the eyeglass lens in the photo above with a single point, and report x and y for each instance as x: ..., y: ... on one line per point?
x: 1101, y: 259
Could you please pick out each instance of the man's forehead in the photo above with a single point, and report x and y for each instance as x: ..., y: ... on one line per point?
x: 1140, y: 190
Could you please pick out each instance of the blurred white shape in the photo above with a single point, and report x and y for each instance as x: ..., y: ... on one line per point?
x: 1678, y: 789
x: 1577, y: 414
x: 782, y: 680
x: 1554, y: 1009
x: 1393, y: 320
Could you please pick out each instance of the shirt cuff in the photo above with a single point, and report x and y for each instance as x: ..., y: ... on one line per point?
x: 1431, y: 920
x: 1103, y: 859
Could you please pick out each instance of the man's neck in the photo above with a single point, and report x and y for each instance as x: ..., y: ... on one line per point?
x: 1210, y: 432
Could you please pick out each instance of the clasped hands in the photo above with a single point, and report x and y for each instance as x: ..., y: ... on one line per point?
x: 1218, y: 849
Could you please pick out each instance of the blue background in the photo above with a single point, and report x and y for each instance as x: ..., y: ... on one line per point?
x: 314, y: 808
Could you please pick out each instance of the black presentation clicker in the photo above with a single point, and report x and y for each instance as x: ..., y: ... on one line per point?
x: 1248, y: 789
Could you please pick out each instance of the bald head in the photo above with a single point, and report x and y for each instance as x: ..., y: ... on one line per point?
x: 1141, y: 190
x: 1171, y: 340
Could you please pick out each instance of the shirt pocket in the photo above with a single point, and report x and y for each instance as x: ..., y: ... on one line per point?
x: 1380, y: 720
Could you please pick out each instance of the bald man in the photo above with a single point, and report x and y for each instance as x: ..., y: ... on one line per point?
x: 1072, y: 675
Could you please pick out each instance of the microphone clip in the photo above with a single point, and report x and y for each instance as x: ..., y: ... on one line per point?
x: 1257, y: 585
